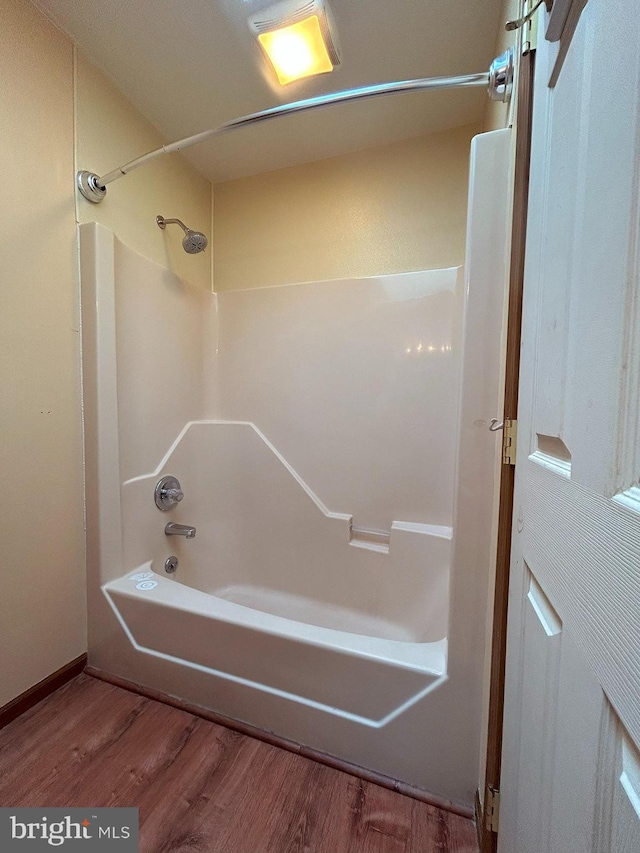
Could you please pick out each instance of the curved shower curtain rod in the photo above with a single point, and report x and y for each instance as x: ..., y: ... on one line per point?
x: 499, y: 81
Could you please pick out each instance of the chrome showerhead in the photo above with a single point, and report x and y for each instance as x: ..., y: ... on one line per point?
x: 193, y: 242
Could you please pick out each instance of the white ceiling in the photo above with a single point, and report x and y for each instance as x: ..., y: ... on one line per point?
x: 189, y: 65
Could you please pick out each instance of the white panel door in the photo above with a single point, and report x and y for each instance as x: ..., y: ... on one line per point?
x: 571, y: 763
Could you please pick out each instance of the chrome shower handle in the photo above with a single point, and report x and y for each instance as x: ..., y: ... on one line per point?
x: 168, y: 493
x: 174, y: 495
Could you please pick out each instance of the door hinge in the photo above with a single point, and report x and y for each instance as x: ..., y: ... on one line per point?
x: 491, y: 808
x: 509, y: 441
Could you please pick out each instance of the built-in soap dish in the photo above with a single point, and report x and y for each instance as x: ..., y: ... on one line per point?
x: 371, y: 540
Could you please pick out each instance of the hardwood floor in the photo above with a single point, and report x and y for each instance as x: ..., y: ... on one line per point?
x: 202, y: 788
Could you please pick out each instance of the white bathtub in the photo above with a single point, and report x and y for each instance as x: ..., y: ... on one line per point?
x: 367, y: 678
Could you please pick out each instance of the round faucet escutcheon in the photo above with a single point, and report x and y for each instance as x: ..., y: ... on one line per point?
x: 168, y: 492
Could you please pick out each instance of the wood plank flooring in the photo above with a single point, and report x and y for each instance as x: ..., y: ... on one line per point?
x: 202, y: 788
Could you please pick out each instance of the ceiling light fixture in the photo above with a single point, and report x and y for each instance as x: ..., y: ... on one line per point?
x: 298, y: 38
x: 297, y: 51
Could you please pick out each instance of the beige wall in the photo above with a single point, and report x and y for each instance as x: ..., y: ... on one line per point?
x: 110, y: 132
x: 43, y: 601
x: 388, y: 209
x: 42, y: 605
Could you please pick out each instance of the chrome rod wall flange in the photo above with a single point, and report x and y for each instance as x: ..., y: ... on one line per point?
x: 89, y: 186
x: 501, y: 77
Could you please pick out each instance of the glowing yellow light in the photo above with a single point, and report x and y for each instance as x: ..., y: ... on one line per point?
x: 297, y: 51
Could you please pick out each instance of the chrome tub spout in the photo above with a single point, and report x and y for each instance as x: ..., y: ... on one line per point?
x: 173, y: 529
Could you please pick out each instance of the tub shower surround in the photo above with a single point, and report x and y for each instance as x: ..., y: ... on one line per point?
x: 316, y: 431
